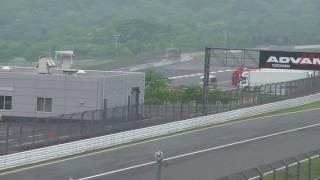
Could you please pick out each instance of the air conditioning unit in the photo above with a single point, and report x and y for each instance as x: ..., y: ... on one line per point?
x: 44, y: 65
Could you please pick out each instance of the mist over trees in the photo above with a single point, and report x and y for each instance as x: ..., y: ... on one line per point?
x: 29, y: 28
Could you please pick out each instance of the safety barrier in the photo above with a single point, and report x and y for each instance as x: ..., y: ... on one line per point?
x: 58, y: 151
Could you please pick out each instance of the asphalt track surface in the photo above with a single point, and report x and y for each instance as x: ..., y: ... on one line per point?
x: 196, y: 67
x: 234, y: 150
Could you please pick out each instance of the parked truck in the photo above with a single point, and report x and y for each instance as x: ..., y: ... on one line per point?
x: 236, y: 75
x: 251, y: 80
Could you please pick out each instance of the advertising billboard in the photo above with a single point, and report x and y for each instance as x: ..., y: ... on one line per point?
x: 289, y: 60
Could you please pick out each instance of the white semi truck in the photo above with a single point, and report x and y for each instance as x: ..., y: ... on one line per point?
x: 250, y: 80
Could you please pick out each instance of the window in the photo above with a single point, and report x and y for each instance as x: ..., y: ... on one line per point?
x: 5, y: 102
x: 44, y: 104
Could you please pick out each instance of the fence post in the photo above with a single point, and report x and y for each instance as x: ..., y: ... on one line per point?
x: 105, y: 109
x: 217, y: 107
x: 298, y: 169
x: 58, y: 131
x: 245, y: 175
x: 181, y: 111
x: 280, y: 91
x: 223, y: 107
x: 241, y: 99
x: 260, y: 174
x: 197, y: 111
x: 20, y: 134
x: 309, y: 167
x: 259, y: 95
x: 273, y: 172
x: 128, y: 108
x: 7, y: 139
x: 158, y: 111
x: 189, y: 113
x: 166, y: 111
x: 81, y: 123
x: 34, y: 131
x: 286, y: 170
x: 174, y: 112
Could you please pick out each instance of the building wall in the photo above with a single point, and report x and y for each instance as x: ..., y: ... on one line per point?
x: 118, y: 88
x: 70, y: 94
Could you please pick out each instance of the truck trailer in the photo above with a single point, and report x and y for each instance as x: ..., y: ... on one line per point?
x: 251, y: 80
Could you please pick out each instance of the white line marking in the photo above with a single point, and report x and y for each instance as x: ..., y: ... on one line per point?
x: 116, y: 171
x: 199, y: 74
x: 157, y: 139
x: 224, y: 82
x: 203, y: 151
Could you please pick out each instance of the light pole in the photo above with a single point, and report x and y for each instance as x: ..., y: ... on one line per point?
x: 116, y: 36
x: 225, y: 35
x: 172, y: 43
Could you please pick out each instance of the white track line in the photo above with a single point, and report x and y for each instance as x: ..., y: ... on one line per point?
x: 199, y: 74
x: 202, y: 151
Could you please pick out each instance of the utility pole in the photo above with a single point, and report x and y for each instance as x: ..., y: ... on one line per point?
x: 206, y: 81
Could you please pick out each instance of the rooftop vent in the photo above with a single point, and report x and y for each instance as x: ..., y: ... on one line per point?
x: 64, y: 59
x: 45, y: 64
x: 81, y: 72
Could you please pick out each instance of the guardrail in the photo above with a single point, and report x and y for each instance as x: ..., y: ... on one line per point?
x: 57, y: 151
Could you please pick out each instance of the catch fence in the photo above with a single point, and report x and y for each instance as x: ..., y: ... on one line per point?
x: 19, y: 134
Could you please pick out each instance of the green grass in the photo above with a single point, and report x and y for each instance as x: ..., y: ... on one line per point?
x: 299, y: 108
x: 293, y: 171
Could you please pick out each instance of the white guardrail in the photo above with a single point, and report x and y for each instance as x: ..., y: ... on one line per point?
x: 57, y: 151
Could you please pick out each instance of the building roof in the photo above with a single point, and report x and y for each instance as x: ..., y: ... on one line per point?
x: 65, y: 72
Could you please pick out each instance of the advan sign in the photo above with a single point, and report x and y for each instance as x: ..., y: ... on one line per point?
x: 289, y: 60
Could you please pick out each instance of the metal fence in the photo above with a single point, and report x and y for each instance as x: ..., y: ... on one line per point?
x: 20, y: 134
x: 234, y: 57
x: 302, y: 167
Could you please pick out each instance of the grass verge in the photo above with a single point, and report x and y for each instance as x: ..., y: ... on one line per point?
x: 314, y: 105
x: 294, y: 171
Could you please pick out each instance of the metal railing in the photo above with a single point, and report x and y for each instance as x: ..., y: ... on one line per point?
x: 19, y: 134
x: 56, y: 151
x: 302, y: 167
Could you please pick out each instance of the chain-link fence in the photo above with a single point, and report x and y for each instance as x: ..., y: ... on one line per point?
x: 234, y: 57
x: 19, y: 134
x: 302, y: 167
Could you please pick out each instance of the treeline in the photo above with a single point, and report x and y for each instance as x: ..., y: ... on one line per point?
x: 158, y: 90
x: 91, y: 27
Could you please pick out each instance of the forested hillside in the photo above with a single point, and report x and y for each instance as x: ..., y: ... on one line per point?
x: 28, y: 28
